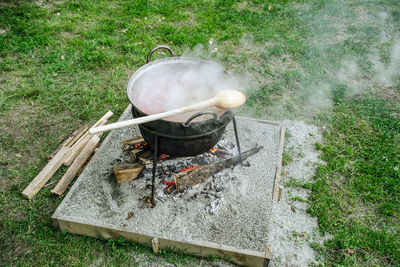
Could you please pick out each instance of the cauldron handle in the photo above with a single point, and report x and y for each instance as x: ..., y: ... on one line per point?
x: 201, y: 113
x: 159, y: 47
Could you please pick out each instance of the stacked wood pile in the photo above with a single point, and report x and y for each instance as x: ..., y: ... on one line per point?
x: 73, y: 152
x: 140, y: 154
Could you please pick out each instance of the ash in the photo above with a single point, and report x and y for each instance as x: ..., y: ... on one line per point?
x: 211, y: 192
x: 236, y: 211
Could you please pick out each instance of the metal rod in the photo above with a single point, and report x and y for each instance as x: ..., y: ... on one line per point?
x: 237, y: 139
x: 153, y: 184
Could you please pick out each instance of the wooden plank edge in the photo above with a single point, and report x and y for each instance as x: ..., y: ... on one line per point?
x: 280, y: 192
x: 199, y: 248
x: 276, y: 183
x: 259, y: 120
x: 277, y: 179
x: 55, y: 220
x: 154, y: 244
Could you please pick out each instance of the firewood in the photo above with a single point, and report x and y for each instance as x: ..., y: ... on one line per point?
x: 201, y: 174
x: 134, y: 153
x: 170, y: 188
x: 80, y: 144
x: 128, y: 143
x: 62, y: 185
x: 76, y: 149
x: 146, y: 157
x: 127, y: 172
x: 69, y: 141
x: 46, y: 173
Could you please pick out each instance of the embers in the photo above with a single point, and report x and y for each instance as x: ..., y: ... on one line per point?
x: 176, y: 178
x: 168, y: 176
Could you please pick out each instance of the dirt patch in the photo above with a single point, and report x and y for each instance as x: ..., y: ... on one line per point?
x: 26, y: 131
x: 44, y: 4
x: 15, y: 129
x: 5, y: 183
x: 69, y: 34
x: 249, y: 6
x: 189, y: 21
x: 47, y: 4
x: 391, y: 93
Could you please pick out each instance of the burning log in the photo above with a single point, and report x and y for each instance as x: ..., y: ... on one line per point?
x: 127, y: 172
x: 170, y: 188
x: 202, y: 173
x: 138, y: 149
x: 132, y: 143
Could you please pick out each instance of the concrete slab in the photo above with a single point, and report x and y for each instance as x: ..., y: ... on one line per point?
x: 233, y: 219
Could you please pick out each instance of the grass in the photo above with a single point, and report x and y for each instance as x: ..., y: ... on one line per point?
x: 65, y: 63
x: 356, y: 194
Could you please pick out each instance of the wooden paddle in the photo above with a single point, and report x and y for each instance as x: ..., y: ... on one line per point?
x: 223, y: 99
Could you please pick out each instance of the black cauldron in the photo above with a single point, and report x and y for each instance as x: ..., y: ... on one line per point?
x: 192, y: 136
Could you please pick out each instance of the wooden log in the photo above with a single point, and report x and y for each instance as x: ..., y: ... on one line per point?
x: 127, y: 143
x: 170, y: 188
x: 127, y: 172
x: 76, y: 149
x: 69, y: 141
x: 146, y: 157
x: 62, y: 185
x: 201, y: 174
x: 46, y: 173
x: 134, y: 152
x: 80, y: 144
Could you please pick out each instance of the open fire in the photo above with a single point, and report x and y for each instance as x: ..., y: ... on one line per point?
x: 187, y: 177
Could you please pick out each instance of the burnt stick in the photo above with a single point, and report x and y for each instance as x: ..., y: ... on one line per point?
x: 202, y: 173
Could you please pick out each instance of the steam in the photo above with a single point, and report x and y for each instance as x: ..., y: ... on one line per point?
x: 343, y: 52
x: 372, y: 63
x: 184, y: 82
x: 387, y: 75
x: 356, y: 47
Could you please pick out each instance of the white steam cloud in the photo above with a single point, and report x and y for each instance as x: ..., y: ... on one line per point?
x: 179, y: 82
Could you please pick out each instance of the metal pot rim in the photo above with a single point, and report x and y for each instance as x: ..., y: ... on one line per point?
x: 169, y: 60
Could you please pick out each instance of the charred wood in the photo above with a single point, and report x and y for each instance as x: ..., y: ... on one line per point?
x: 127, y: 171
x: 202, y: 173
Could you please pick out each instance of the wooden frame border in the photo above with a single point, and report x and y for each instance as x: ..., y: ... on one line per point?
x: 242, y: 257
x: 199, y: 248
x: 259, y: 120
x: 275, y: 192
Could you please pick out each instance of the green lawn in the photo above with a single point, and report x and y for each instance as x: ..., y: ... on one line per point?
x: 333, y: 63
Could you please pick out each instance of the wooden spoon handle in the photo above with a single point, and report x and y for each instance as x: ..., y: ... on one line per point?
x: 122, y: 124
